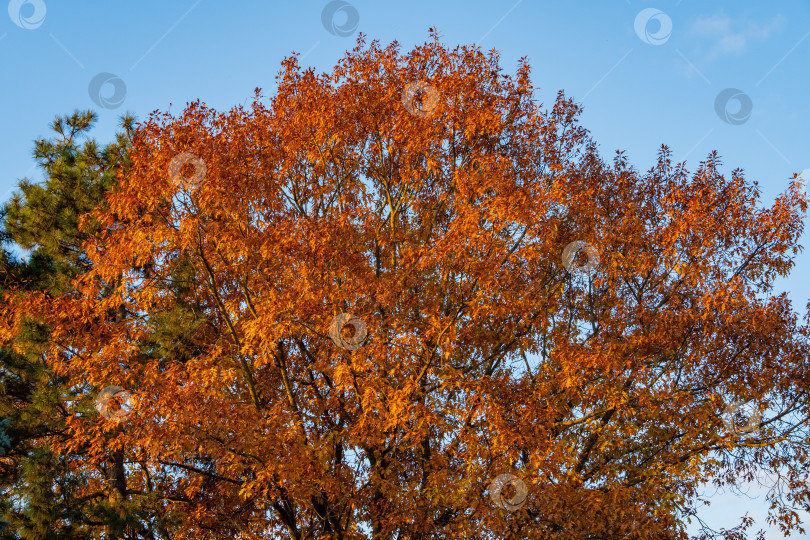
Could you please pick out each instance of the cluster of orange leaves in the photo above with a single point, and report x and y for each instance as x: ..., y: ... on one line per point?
x: 443, y: 233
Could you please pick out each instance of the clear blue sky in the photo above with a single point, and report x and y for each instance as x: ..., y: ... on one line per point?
x: 644, y: 77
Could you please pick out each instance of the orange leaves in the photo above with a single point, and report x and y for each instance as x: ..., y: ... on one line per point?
x: 485, y: 349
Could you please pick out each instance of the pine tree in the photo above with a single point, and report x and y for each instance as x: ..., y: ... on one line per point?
x: 38, y: 488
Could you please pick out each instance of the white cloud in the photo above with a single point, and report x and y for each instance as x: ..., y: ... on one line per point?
x: 732, y: 36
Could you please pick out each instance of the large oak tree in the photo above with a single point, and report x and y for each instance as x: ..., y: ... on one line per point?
x: 517, y: 305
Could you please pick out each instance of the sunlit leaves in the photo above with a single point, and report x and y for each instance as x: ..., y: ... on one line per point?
x: 444, y: 233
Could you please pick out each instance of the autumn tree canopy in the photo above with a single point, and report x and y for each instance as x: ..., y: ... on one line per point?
x: 402, y: 300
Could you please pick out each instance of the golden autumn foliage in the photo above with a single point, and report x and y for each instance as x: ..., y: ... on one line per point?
x: 427, y: 202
